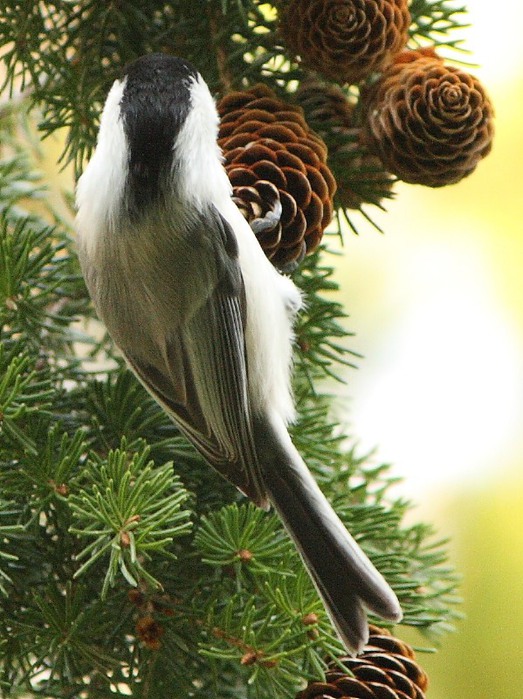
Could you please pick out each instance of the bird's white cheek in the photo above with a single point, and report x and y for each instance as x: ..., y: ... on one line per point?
x: 100, y: 189
x: 199, y: 172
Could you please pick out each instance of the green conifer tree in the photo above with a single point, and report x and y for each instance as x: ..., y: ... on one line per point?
x: 127, y: 566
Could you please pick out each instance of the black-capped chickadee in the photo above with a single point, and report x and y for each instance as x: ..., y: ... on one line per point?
x: 203, y: 318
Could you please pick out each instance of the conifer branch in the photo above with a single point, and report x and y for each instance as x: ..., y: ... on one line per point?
x: 218, y: 36
x: 127, y: 566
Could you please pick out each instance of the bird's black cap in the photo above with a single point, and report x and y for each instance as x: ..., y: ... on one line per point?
x: 154, y: 106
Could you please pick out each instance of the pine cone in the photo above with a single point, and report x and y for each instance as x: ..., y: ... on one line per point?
x: 360, y: 175
x: 345, y: 40
x: 150, y: 632
x: 277, y: 167
x: 325, y: 104
x: 429, y: 123
x: 385, y: 670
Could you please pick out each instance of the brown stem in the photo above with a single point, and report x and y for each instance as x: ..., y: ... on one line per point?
x: 250, y: 655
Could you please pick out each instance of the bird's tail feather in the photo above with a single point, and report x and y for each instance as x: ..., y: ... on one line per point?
x: 345, y: 578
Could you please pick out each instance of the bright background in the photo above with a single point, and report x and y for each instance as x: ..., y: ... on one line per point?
x: 437, y: 307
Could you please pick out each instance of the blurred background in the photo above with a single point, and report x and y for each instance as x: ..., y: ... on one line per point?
x: 437, y: 307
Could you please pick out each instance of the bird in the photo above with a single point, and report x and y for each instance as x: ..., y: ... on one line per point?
x: 204, y: 320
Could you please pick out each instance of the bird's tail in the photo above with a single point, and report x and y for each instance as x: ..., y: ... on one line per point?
x: 345, y: 578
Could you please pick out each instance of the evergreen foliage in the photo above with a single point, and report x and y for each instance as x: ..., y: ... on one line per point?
x: 127, y: 566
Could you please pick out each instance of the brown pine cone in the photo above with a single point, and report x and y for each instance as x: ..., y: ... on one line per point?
x: 345, y: 40
x: 150, y: 632
x: 360, y: 175
x: 429, y: 123
x: 325, y: 104
x: 277, y: 167
x: 385, y: 670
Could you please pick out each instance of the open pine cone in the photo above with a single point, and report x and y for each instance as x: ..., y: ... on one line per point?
x: 385, y: 670
x: 429, y: 123
x: 360, y: 175
x: 345, y: 40
x: 277, y: 167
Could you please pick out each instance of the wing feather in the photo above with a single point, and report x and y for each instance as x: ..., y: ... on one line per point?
x: 201, y: 374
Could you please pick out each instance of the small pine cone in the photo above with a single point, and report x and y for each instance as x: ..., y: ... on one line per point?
x: 150, y: 632
x: 386, y: 669
x: 277, y: 167
x: 429, y: 123
x: 325, y: 104
x: 360, y: 175
x: 345, y: 40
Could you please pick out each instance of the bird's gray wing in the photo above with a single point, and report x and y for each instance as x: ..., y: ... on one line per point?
x: 201, y: 373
